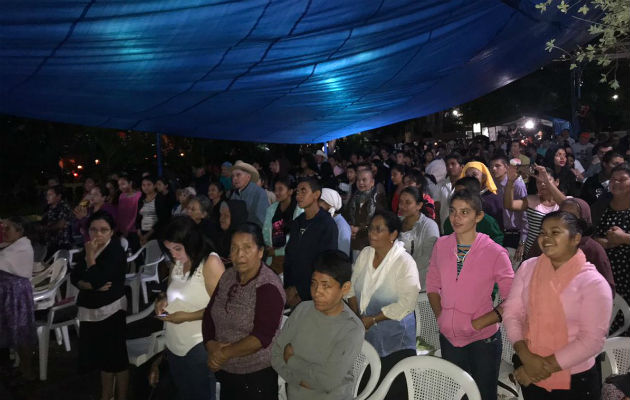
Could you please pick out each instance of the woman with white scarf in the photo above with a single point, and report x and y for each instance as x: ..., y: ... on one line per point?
x: 384, y: 293
x: 331, y: 202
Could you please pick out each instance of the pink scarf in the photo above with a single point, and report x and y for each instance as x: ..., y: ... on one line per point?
x: 547, y: 326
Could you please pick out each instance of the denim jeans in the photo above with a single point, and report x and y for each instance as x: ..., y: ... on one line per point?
x: 191, y: 376
x: 481, y: 359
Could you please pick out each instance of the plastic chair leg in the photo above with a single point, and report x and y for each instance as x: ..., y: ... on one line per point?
x: 135, y: 297
x: 145, y: 295
x: 43, y: 337
x: 58, y: 336
x: 66, y: 337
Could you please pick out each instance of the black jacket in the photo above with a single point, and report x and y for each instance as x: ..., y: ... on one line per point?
x: 111, y: 266
x: 308, y: 239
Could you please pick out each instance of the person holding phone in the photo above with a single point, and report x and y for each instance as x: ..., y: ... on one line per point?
x: 192, y: 282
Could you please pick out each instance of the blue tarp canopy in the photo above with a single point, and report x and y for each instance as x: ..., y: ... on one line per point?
x: 297, y: 71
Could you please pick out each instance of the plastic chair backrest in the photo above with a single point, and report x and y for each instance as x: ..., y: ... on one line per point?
x: 620, y: 305
x: 430, y: 378
x: 124, y: 243
x: 426, y: 324
x: 508, y: 349
x: 153, y: 252
x: 367, y: 356
x: 618, y: 351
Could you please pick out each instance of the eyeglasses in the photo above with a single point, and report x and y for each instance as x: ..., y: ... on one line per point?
x: 102, y: 230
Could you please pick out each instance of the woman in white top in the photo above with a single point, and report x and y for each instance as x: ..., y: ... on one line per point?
x: 419, y: 232
x: 384, y: 293
x: 192, y: 281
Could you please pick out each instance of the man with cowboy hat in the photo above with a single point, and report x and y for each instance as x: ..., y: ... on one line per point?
x: 244, y: 178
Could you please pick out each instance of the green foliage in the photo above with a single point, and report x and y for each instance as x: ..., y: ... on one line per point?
x: 610, y: 26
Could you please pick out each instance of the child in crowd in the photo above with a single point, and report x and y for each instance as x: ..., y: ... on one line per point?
x: 318, y: 344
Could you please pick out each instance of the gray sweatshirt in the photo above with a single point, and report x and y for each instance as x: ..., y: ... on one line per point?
x: 324, y: 351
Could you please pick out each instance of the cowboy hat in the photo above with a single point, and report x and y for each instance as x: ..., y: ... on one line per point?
x: 247, y: 168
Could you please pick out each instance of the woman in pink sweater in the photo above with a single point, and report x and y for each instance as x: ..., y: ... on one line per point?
x: 463, y: 269
x: 557, y: 316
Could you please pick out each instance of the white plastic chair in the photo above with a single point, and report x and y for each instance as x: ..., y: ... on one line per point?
x: 367, y: 356
x: 43, y: 298
x: 506, y: 368
x: 426, y: 324
x: 148, y: 272
x: 620, y: 305
x: 124, y: 243
x: 617, y: 360
x: 141, y: 350
x: 430, y: 378
x: 46, y: 283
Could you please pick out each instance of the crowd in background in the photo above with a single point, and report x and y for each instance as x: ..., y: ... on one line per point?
x: 453, y: 218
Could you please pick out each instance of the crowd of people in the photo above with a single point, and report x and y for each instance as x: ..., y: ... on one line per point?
x: 344, y: 244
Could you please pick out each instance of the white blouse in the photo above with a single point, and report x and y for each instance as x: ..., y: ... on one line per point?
x: 188, y: 295
x: 395, y: 277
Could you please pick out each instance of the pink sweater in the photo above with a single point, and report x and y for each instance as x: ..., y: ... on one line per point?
x: 587, y: 304
x: 468, y: 296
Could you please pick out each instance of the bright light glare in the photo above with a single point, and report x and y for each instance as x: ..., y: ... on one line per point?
x: 529, y: 124
x: 181, y: 154
x: 79, y: 166
x: 615, y: 96
x: 97, y: 161
x: 456, y: 113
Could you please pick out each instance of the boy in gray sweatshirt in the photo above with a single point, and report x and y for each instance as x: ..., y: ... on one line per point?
x: 318, y: 344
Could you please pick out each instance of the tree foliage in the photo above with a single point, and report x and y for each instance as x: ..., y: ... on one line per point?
x: 610, y: 27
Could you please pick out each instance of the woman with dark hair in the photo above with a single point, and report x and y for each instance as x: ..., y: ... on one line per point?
x: 384, y: 292
x: 557, y: 316
x: 547, y: 199
x: 128, y: 202
x: 100, y: 277
x: 97, y: 199
x: 242, y: 320
x: 232, y: 214
x: 278, y: 220
x: 308, y: 166
x: 147, y: 210
x: 327, y: 176
x: 216, y: 194
x: 593, y: 251
x: 114, y: 193
x: 556, y: 160
x: 192, y: 282
x: 167, y: 197
x: 418, y: 232
x: 613, y: 228
x: 397, y: 174
x: 463, y: 270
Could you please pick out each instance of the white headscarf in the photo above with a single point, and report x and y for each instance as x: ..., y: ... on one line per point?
x: 332, y: 198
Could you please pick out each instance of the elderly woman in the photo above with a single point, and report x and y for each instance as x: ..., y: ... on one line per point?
x: 242, y: 320
x: 384, y: 293
x: 278, y: 220
x: 197, y: 209
x: 192, y: 281
x: 100, y: 277
x: 557, y: 316
x: 17, y: 326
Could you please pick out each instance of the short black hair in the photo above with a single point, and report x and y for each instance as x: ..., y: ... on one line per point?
x: 500, y: 156
x: 149, y: 178
x: 471, y: 198
x: 416, y: 176
x: 392, y: 221
x: 103, y: 189
x: 471, y: 184
x: 455, y: 156
x: 621, y: 167
x: 312, y: 182
x: 414, y: 192
x: 105, y: 216
x: 334, y: 263
x: 610, y: 155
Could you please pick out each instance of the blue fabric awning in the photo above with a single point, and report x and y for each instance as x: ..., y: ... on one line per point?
x: 294, y: 71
